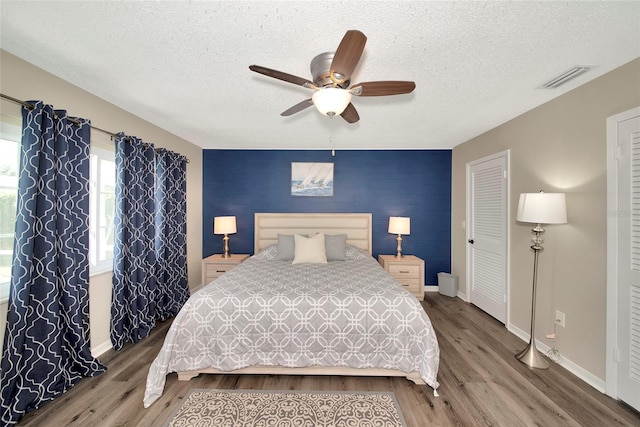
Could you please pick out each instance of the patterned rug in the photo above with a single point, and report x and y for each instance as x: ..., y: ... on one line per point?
x: 239, y: 408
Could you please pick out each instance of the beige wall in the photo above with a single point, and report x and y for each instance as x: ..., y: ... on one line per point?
x: 23, y: 81
x: 557, y: 147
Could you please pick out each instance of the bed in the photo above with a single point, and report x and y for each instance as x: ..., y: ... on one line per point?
x: 274, y: 315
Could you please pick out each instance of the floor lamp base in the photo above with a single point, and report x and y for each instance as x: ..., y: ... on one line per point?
x: 531, y: 357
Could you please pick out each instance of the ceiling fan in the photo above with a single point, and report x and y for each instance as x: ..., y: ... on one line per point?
x: 332, y: 80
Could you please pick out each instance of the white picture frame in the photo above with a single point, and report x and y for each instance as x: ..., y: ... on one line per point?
x: 312, y: 179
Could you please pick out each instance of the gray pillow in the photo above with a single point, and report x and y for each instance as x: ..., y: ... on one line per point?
x: 286, y: 247
x: 335, y: 247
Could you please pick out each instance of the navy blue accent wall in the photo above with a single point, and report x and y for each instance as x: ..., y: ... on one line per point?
x: 413, y: 183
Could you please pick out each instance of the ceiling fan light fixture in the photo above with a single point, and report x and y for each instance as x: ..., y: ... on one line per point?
x: 331, y: 101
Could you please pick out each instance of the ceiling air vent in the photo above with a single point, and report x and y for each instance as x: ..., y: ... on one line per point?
x: 566, y: 76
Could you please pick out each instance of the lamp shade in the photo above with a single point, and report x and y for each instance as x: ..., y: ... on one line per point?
x: 224, y: 225
x: 399, y: 225
x: 542, y: 208
x: 331, y: 101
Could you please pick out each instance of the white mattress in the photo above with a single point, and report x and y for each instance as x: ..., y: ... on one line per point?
x: 265, y: 312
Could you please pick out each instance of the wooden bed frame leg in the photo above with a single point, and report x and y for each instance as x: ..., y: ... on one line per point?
x: 415, y: 378
x: 187, y: 375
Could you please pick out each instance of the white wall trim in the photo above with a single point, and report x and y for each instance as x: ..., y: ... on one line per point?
x: 463, y: 297
x: 101, y: 349
x: 569, y: 365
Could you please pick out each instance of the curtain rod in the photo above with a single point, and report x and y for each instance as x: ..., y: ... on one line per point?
x: 31, y: 107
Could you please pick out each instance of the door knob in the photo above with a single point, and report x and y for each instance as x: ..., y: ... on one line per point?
x: 471, y: 241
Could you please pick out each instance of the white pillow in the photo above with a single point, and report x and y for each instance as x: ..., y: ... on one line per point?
x: 310, y: 250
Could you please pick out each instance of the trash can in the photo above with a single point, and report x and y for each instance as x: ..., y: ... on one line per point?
x: 448, y: 284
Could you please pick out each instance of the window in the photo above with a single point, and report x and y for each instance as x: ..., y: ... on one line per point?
x: 101, y: 194
x: 10, y: 130
x: 102, y: 210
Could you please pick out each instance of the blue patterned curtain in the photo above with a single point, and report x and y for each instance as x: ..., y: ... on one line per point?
x: 171, y: 229
x: 134, y: 296
x: 46, y: 343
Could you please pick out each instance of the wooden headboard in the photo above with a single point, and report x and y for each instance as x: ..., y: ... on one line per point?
x: 357, y: 227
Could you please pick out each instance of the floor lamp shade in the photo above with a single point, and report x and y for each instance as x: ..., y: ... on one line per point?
x: 538, y: 208
x: 542, y: 208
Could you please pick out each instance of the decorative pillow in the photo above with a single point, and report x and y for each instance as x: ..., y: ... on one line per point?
x: 335, y: 247
x: 286, y: 247
x: 309, y: 249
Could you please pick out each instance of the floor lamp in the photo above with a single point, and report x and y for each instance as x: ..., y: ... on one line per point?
x: 538, y: 208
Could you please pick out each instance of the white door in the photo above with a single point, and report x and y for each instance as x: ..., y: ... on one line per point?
x: 628, y: 215
x: 487, y: 213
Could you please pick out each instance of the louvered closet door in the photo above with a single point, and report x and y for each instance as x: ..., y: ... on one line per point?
x: 487, y: 235
x: 629, y: 262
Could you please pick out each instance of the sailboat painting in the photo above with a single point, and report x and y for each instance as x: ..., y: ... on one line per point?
x: 311, y: 179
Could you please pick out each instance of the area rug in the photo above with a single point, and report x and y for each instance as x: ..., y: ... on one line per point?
x: 239, y: 408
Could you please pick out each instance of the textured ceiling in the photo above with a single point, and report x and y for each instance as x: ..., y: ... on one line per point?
x: 184, y: 65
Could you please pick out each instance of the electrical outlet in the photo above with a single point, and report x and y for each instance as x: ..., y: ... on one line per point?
x: 560, y: 318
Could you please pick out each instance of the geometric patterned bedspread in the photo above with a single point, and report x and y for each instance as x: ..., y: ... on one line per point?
x: 274, y: 313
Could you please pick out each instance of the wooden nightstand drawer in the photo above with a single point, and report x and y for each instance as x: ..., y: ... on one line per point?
x: 217, y: 270
x: 215, y: 266
x: 412, y: 286
x: 412, y: 283
x: 400, y: 271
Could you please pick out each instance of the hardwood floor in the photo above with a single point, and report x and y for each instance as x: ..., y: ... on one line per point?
x: 482, y: 384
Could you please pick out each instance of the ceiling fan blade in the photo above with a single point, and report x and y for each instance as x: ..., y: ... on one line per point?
x: 350, y: 114
x: 298, y: 107
x: 280, y: 75
x: 384, y: 88
x: 347, y: 55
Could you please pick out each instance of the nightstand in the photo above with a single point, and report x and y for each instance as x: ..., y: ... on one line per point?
x: 215, y: 266
x: 408, y: 270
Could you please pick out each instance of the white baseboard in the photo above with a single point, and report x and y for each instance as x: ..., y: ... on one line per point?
x: 101, y: 349
x: 569, y: 365
x: 463, y: 296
